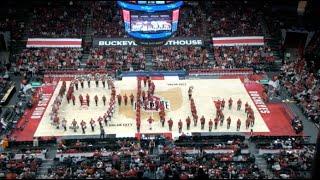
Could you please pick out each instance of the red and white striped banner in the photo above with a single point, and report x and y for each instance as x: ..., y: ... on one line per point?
x: 238, y: 41
x: 54, y: 42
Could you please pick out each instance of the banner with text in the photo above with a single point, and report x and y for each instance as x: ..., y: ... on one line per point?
x: 238, y: 41
x: 105, y: 42
x: 54, y: 42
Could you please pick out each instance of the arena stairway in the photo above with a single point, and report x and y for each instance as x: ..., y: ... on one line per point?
x: 259, y: 160
x: 149, y: 59
x: 48, y: 163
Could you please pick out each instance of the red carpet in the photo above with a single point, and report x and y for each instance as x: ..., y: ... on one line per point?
x: 33, y: 119
x: 278, y: 120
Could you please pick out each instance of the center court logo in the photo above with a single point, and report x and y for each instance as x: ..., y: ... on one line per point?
x: 154, y: 105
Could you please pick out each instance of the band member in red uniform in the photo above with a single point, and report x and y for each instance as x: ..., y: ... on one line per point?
x: 210, y: 125
x: 162, y: 120
x: 202, y: 121
x: 248, y: 122
x: 180, y: 126
x: 96, y: 99
x: 89, y: 82
x: 68, y: 98
x: 104, y: 99
x: 131, y: 99
x: 88, y: 99
x: 145, y: 81
x: 109, y: 83
x: 150, y: 121
x: 143, y: 95
x: 80, y: 99
x: 125, y: 97
x: 97, y: 82
x: 157, y: 104
x: 216, y: 121
x: 238, y: 124
x: 251, y: 116
x: 74, y: 125
x: 246, y: 107
x: 195, y: 119
x: 219, y: 112
x: 239, y: 105
x: 83, y: 126
x: 190, y: 93
x: 221, y: 118
x: 149, y: 82
x: 76, y: 84
x: 138, y: 124
x: 64, y: 124
x: 103, y: 81
x: 73, y: 99
x: 230, y: 103
x: 105, y: 117
x: 81, y: 83
x: 100, y: 121
x: 170, y: 123
x: 188, y: 121
x: 56, y: 121
x: 228, y: 122
x: 113, y: 91
x: 119, y: 99
x: 92, y: 124
x: 249, y: 111
x: 223, y: 103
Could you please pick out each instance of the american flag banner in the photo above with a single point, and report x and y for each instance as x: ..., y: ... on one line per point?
x: 54, y: 42
x: 238, y: 41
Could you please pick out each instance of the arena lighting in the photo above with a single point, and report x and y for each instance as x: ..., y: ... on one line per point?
x: 150, y: 23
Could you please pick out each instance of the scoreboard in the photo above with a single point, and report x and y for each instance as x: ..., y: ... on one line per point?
x: 150, y: 22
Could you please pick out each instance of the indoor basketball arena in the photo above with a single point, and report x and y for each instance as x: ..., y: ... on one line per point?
x: 160, y: 89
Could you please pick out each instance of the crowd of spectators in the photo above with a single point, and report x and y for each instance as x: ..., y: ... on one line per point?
x: 229, y: 18
x: 176, y: 58
x: 59, y: 19
x: 121, y: 58
x: 25, y: 167
x: 291, y: 164
x: 278, y: 142
x: 191, y: 20
x: 137, y: 159
x: 107, y: 20
x: 303, y: 86
x: 242, y: 56
x: 16, y: 28
x: 31, y: 60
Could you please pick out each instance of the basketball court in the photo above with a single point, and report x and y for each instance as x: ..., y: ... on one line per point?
x: 171, y: 90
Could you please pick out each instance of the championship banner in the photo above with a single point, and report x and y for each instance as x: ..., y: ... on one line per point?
x: 54, y: 42
x: 238, y: 41
x: 111, y: 42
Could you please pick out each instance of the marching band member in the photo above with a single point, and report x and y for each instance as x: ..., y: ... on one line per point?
x: 210, y: 125
x: 88, y: 99
x: 104, y: 100
x: 170, y: 123
x: 96, y: 99
x: 150, y: 120
x: 239, y: 104
x: 230, y: 103
x: 64, y: 124
x: 92, y: 124
x: 83, y: 126
x: 180, y: 126
x: 74, y: 125
x: 188, y: 121
x: 238, y: 124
